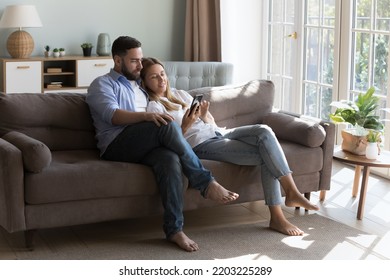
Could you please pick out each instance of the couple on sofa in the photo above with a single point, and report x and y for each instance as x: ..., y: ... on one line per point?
x: 131, y: 128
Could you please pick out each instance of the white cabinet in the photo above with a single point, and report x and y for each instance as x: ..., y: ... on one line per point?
x: 49, y: 74
x: 88, y: 70
x: 22, y: 76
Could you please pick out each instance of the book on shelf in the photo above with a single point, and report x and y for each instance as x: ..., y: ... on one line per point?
x: 54, y: 70
x: 54, y: 86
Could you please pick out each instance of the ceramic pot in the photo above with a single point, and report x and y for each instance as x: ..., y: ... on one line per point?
x: 372, y: 150
x: 87, y: 51
x: 103, y: 47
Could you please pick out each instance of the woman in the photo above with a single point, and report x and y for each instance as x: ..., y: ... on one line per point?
x: 246, y: 145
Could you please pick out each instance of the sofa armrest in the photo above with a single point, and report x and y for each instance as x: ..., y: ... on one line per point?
x: 327, y: 145
x: 295, y: 129
x: 35, y: 154
x: 12, y: 207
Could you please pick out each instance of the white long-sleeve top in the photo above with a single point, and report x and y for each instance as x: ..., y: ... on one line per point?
x: 199, y: 131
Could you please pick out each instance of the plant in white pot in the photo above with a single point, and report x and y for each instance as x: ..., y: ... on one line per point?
x: 373, y: 140
x: 361, y: 114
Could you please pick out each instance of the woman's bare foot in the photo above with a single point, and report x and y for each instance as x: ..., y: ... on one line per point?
x: 184, y: 242
x: 285, y: 227
x: 218, y: 193
x: 293, y: 197
x: 298, y: 200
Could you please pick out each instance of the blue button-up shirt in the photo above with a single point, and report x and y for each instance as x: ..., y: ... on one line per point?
x: 105, y: 95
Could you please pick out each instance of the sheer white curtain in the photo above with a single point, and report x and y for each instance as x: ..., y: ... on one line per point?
x: 242, y: 35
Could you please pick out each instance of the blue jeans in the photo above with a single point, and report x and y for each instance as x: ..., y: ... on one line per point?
x: 251, y: 145
x: 166, y: 151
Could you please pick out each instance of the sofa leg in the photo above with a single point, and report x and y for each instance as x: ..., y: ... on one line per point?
x: 29, y: 239
x: 307, y: 196
x: 322, y: 195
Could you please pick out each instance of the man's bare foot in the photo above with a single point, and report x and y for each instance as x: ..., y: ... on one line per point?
x: 218, y: 193
x: 298, y: 200
x: 184, y: 242
x: 285, y: 227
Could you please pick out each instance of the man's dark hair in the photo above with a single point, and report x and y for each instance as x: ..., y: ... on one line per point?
x: 122, y: 44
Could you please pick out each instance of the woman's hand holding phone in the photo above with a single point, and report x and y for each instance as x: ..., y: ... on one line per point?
x: 192, y: 114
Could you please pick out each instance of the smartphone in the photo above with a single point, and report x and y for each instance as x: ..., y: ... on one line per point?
x: 195, y: 102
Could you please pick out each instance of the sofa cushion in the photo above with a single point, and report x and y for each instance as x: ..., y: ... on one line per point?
x: 81, y: 175
x: 237, y: 105
x: 304, y: 132
x: 36, y: 155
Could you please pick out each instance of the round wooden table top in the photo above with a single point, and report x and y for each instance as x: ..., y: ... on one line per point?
x: 383, y: 159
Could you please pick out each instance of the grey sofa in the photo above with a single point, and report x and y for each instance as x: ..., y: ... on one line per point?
x: 51, y: 174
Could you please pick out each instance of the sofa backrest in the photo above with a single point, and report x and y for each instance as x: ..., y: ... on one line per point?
x: 189, y: 75
x: 241, y: 104
x: 60, y: 120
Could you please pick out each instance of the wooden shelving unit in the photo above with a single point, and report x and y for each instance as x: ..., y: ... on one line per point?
x: 49, y: 74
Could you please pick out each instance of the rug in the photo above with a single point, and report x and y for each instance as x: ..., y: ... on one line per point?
x: 323, y: 239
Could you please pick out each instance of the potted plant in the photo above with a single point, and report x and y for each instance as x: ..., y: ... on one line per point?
x: 373, y: 141
x: 361, y: 114
x: 56, y: 52
x: 47, y: 51
x: 62, y: 52
x: 87, y: 49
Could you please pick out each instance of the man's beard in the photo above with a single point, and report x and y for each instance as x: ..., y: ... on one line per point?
x: 130, y: 76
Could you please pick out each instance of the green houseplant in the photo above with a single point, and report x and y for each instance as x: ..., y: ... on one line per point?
x: 47, y: 51
x: 56, y: 52
x: 361, y: 114
x: 87, y: 48
x: 62, y: 51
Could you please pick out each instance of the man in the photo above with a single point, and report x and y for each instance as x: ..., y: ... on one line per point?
x: 126, y: 132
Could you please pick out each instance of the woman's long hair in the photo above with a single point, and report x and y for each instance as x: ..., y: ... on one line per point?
x: 146, y: 64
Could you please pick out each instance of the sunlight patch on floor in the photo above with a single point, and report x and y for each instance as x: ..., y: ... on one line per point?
x: 380, y: 210
x: 365, y: 240
x: 383, y: 246
x: 387, y: 197
x: 343, y: 176
x: 297, y: 241
x: 345, y: 251
x: 249, y: 257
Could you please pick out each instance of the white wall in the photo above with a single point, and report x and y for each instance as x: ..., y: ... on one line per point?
x: 159, y: 25
x: 242, y: 37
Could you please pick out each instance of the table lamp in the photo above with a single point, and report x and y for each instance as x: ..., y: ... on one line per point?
x: 20, y: 44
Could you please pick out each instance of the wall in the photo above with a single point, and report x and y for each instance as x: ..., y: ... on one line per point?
x: 159, y: 25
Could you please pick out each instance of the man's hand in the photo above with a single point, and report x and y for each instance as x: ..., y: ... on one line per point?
x: 158, y: 118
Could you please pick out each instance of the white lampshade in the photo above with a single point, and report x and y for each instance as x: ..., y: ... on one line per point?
x: 20, y: 44
x: 19, y: 16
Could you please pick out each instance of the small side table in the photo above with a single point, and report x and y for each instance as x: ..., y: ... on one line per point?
x: 361, y: 161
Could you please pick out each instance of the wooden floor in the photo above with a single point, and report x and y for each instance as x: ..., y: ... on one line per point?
x: 339, y: 205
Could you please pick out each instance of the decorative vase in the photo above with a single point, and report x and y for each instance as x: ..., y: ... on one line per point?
x: 103, y: 47
x: 56, y: 54
x: 372, y: 150
x: 353, y: 143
